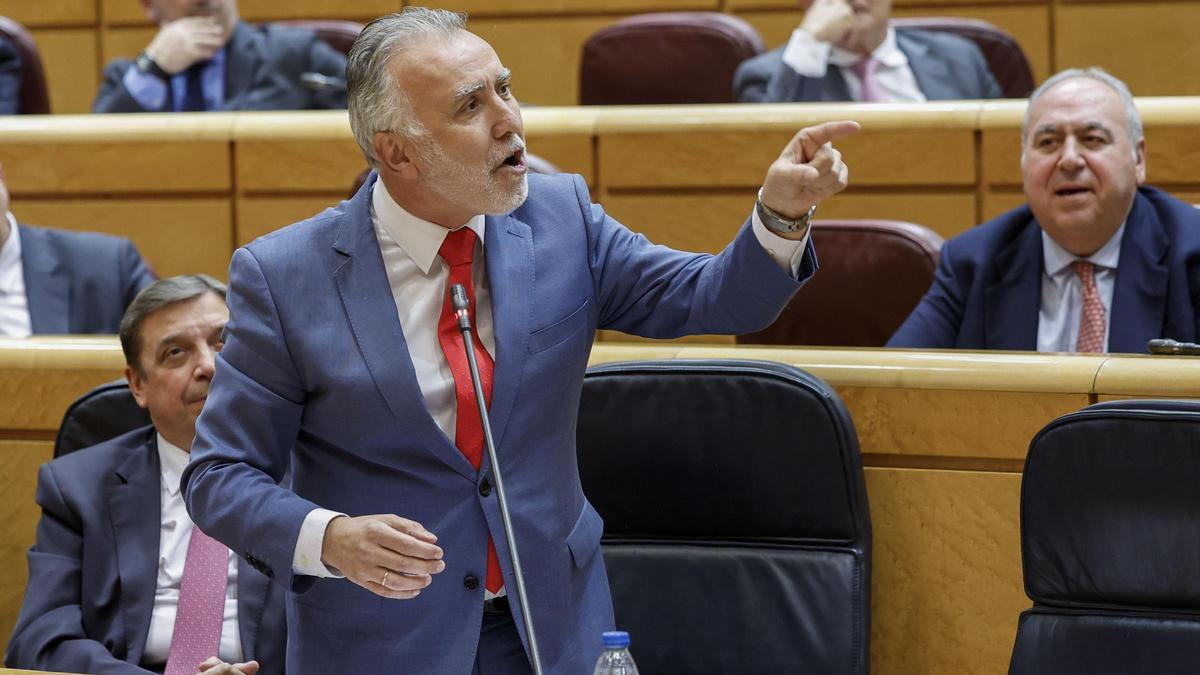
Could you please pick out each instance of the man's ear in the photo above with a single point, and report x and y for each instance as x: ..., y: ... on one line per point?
x: 395, y: 153
x: 1139, y: 154
x: 136, y: 385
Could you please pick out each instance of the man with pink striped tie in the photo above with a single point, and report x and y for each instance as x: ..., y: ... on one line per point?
x: 120, y: 581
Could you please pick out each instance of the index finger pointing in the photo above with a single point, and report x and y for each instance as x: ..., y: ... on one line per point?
x: 810, y: 139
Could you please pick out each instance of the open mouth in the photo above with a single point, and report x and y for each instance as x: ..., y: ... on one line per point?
x: 515, y: 161
x: 1071, y: 191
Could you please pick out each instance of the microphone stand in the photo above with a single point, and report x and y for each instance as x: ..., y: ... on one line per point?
x: 458, y: 298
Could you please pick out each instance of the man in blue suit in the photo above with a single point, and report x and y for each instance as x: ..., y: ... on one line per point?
x: 844, y: 50
x: 341, y: 358
x: 56, y: 281
x: 107, y: 575
x: 1094, y: 262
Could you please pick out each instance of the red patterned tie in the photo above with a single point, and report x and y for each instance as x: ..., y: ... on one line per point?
x: 201, y: 612
x: 458, y: 250
x: 1091, y: 321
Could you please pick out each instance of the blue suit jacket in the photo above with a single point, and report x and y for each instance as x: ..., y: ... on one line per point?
x: 263, y: 65
x: 315, y: 360
x: 79, y: 282
x: 987, y: 290
x: 93, y: 569
x: 946, y: 66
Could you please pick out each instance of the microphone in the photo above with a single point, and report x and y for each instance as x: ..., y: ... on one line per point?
x: 458, y: 300
x: 1165, y: 346
x: 319, y: 82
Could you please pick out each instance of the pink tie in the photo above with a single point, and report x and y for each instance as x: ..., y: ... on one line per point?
x: 458, y: 250
x: 1091, y: 322
x: 201, y: 610
x: 866, y: 71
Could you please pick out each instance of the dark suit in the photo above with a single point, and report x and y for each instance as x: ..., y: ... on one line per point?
x: 10, y: 78
x: 947, y: 67
x: 79, y: 282
x: 263, y: 65
x: 92, y: 572
x: 987, y: 290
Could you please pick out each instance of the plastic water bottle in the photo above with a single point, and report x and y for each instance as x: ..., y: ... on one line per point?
x: 615, y: 660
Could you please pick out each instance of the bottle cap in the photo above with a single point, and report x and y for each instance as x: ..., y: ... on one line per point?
x: 615, y: 639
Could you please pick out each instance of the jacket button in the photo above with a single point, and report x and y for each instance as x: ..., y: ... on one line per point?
x: 471, y: 582
x: 485, y: 488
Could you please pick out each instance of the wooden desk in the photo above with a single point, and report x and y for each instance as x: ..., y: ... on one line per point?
x: 943, y: 436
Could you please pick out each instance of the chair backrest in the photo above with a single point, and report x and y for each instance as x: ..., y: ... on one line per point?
x: 536, y: 165
x: 737, y: 536
x: 873, y: 273
x: 103, y: 413
x: 1004, y: 55
x: 339, y: 34
x: 35, y: 98
x: 667, y: 57
x: 1110, y: 542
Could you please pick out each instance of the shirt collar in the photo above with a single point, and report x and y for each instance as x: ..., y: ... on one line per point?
x: 419, y: 239
x: 10, y: 252
x: 1056, y: 259
x: 888, y: 54
x: 171, y: 459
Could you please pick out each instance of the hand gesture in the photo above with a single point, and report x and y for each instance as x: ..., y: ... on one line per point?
x: 385, y: 554
x: 828, y: 20
x: 185, y: 41
x: 808, y: 170
x: 215, y: 666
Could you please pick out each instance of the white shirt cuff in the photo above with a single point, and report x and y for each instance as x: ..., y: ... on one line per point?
x: 307, y: 559
x: 788, y: 253
x: 805, y: 55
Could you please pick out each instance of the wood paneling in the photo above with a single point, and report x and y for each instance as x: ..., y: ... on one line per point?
x: 72, y: 72
x: 176, y: 236
x: 19, y: 514
x: 257, y: 216
x: 543, y: 53
x: 359, y: 10
x: 124, y: 43
x: 35, y: 13
x: 554, y: 7
x: 106, y: 167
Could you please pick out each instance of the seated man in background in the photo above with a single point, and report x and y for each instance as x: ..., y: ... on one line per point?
x: 55, y: 281
x: 204, y: 58
x: 120, y: 581
x: 844, y: 50
x: 10, y: 78
x: 1093, y: 262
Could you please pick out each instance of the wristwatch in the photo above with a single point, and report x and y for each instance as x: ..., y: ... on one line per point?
x: 149, y: 66
x: 780, y: 224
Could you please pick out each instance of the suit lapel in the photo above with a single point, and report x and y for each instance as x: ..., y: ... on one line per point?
x: 136, y: 508
x: 509, y: 254
x: 931, y: 74
x: 243, y: 55
x: 1011, y: 303
x: 46, y: 286
x: 366, y: 294
x: 1140, y: 291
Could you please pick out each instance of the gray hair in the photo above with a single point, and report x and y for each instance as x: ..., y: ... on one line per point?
x: 153, y: 298
x: 375, y: 101
x: 1133, y: 121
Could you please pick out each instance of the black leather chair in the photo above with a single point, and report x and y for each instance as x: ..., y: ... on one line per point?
x: 666, y: 58
x: 339, y: 34
x: 1110, y: 542
x: 35, y: 97
x: 103, y: 413
x: 873, y: 274
x: 737, y: 536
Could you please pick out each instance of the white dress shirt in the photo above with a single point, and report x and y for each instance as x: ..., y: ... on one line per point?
x: 418, y: 277
x: 812, y: 58
x: 1062, y: 292
x: 174, y: 535
x: 14, y: 304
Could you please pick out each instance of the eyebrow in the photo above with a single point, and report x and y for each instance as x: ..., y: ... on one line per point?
x: 468, y: 89
x: 1087, y: 126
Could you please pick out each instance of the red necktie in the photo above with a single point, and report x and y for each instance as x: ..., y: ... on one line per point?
x: 201, y: 611
x: 1091, y: 321
x: 458, y: 250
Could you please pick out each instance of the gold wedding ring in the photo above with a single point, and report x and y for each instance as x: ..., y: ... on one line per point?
x: 385, y: 576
